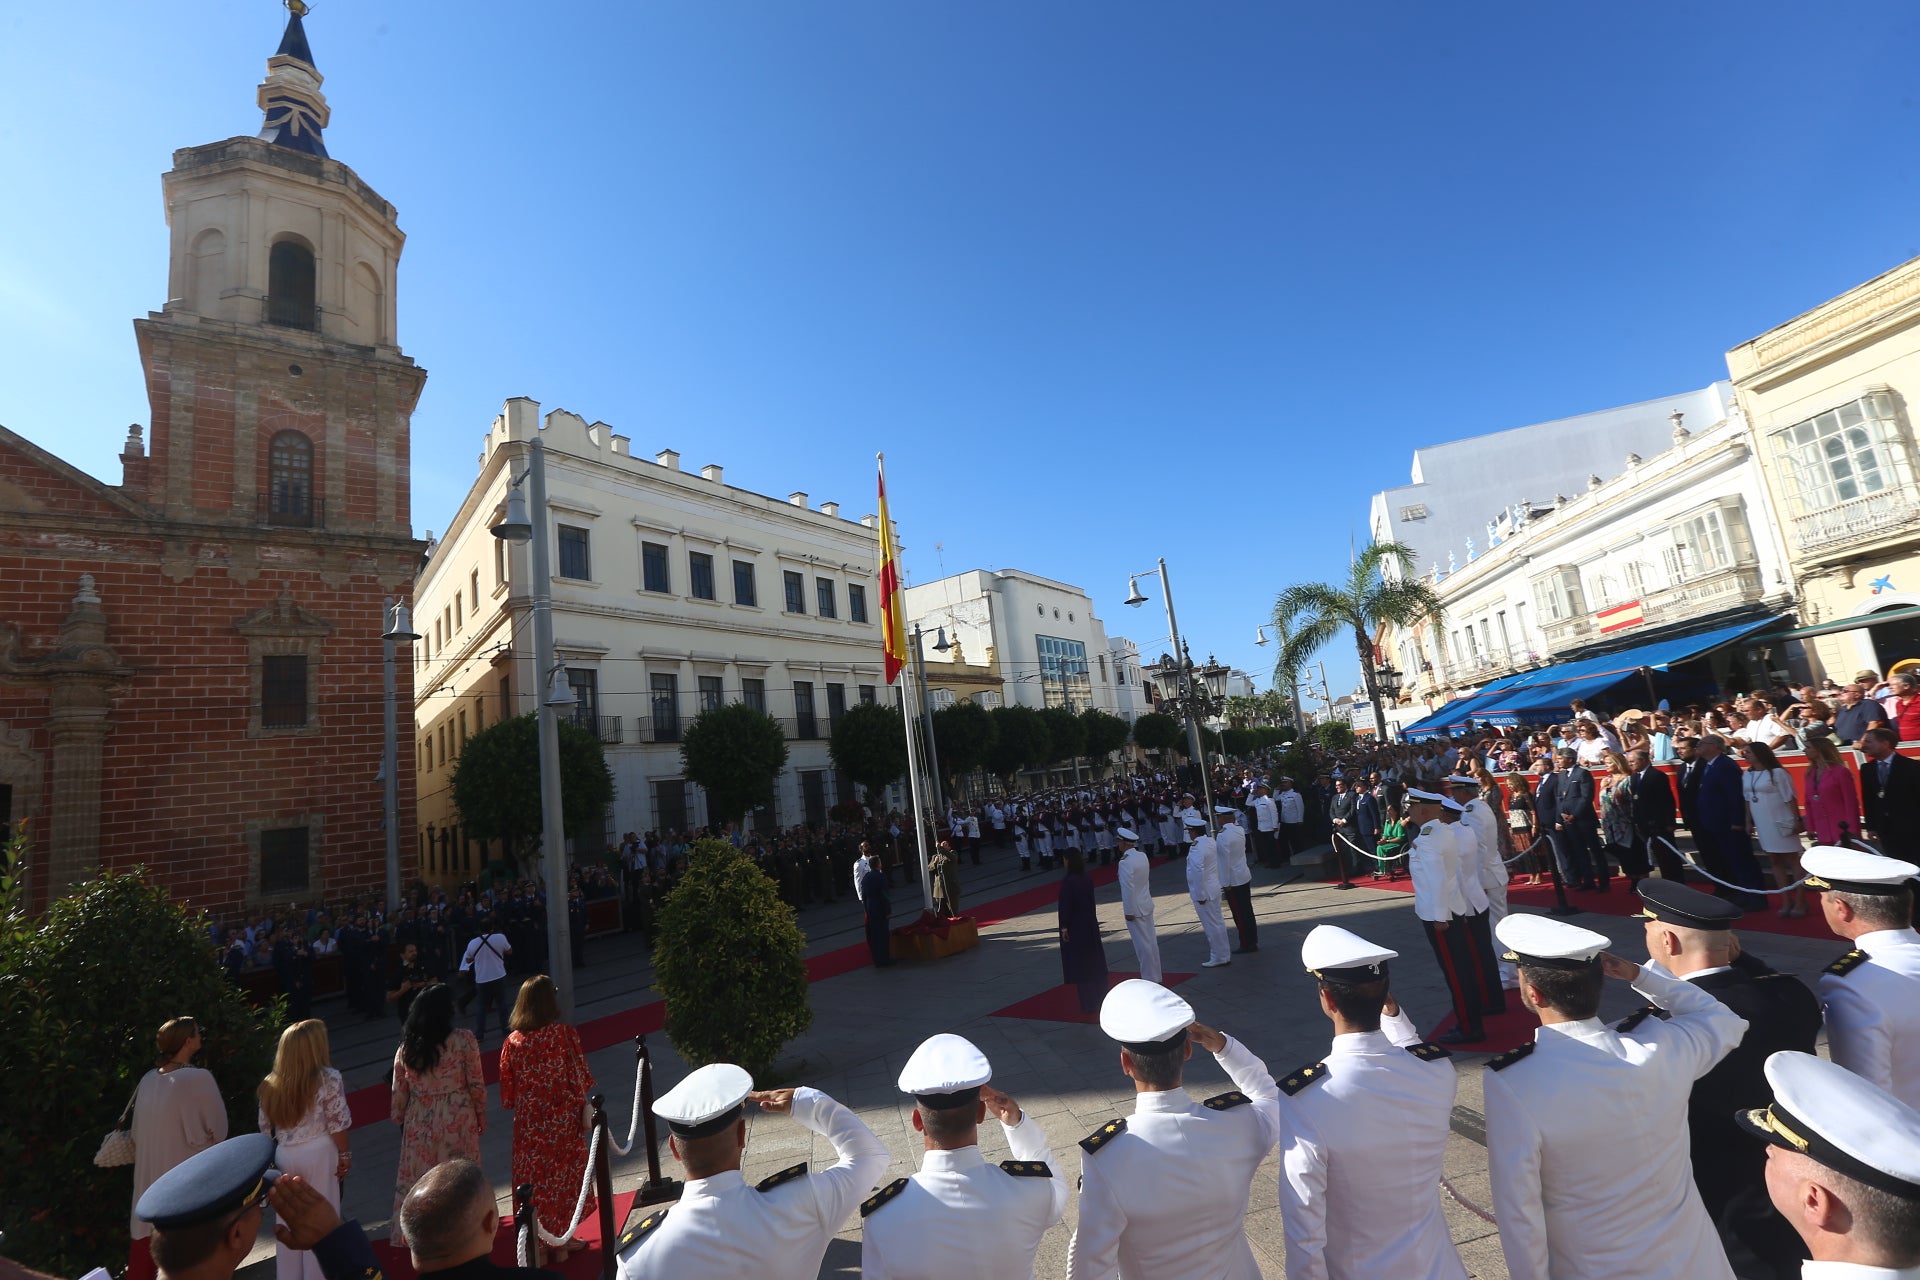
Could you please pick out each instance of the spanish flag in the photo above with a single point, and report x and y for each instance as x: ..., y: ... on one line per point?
x: 893, y: 613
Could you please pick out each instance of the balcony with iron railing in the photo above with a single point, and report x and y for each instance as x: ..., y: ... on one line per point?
x: 291, y: 511
x: 1856, y: 520
x: 1698, y: 594
x: 605, y: 728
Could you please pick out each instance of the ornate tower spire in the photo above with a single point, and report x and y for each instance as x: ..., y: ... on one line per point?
x: 290, y: 95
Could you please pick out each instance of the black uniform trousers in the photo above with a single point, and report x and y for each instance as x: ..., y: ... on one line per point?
x: 1486, y: 964
x: 1240, y: 901
x: 1454, y: 950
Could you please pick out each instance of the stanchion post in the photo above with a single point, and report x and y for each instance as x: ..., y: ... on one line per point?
x: 656, y: 1189
x: 523, y: 1224
x: 603, y: 1188
x: 1340, y: 860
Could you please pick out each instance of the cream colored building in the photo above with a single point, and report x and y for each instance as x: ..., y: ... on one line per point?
x: 1831, y: 395
x: 672, y: 592
x: 1040, y: 635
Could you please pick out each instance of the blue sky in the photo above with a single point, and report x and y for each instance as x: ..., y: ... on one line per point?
x: 1107, y: 280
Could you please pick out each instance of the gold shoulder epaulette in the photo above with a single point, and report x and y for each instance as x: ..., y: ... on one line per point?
x: 1027, y: 1168
x: 1429, y: 1052
x: 1298, y: 1080
x: 1103, y: 1135
x: 1224, y: 1101
x: 1502, y: 1061
x: 882, y: 1196
x: 1847, y: 963
x: 641, y: 1230
x: 781, y: 1178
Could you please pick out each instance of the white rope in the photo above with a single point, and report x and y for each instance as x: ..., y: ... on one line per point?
x: 523, y: 1246
x: 580, y: 1206
x: 1716, y: 879
x: 633, y: 1126
x: 1368, y: 853
x: 1465, y: 1203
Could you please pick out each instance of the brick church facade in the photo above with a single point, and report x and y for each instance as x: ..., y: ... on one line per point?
x: 191, y: 660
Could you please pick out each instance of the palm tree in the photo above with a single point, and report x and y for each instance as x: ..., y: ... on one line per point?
x: 1311, y: 615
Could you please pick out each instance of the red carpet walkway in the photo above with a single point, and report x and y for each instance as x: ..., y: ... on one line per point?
x: 398, y: 1263
x: 1619, y: 902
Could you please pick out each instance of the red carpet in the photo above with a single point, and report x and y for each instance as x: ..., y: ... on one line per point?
x: 1504, y: 1030
x: 373, y: 1103
x: 585, y: 1265
x: 1062, y: 1003
x: 1619, y: 902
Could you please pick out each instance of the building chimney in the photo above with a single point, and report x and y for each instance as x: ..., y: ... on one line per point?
x: 830, y: 509
x: 711, y: 471
x: 668, y: 459
x: 868, y: 519
x: 798, y: 499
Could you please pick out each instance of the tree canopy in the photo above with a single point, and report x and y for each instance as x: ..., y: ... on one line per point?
x: 870, y: 744
x: 1311, y: 615
x: 1158, y: 731
x: 1066, y: 735
x: 1334, y: 735
x: 734, y: 753
x: 1020, y: 741
x: 496, y: 783
x: 963, y: 734
x: 1102, y: 733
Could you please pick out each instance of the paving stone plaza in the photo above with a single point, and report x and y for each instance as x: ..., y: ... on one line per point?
x: 866, y: 1023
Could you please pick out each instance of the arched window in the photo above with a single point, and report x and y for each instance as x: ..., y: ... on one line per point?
x: 290, y: 480
x: 290, y: 296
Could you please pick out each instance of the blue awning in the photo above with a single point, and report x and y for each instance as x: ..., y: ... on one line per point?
x: 1521, y: 698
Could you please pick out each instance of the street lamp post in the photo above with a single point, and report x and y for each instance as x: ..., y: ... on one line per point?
x: 396, y: 629
x: 926, y: 718
x: 1183, y: 676
x: 526, y: 521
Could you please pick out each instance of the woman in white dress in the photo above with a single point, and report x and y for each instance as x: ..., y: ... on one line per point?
x: 177, y: 1112
x: 1773, y: 820
x: 304, y: 1107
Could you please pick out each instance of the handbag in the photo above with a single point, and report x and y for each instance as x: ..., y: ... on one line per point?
x: 116, y: 1148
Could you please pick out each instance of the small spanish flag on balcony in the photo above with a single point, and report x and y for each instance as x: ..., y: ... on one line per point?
x: 1620, y: 617
x: 893, y: 614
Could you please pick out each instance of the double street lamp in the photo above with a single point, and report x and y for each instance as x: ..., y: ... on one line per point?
x: 1185, y: 693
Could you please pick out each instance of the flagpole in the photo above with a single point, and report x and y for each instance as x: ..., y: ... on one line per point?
x: 897, y: 605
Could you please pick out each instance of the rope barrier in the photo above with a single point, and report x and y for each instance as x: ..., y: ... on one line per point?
x: 580, y: 1206
x: 1465, y: 1203
x: 1741, y: 888
x: 633, y: 1126
x: 523, y: 1246
x: 1369, y: 853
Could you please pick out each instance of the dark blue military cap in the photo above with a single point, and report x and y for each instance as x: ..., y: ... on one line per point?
x: 226, y: 1176
x: 1671, y: 902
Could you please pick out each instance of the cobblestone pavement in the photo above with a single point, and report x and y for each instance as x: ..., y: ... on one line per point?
x: 866, y: 1023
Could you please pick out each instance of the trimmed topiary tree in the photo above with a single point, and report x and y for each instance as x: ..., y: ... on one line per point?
x: 870, y: 744
x: 734, y: 753
x: 82, y: 993
x: 1158, y: 731
x: 727, y: 958
x: 496, y: 784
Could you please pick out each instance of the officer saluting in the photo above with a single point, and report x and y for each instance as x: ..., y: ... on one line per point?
x: 960, y: 1216
x: 1163, y: 1193
x: 721, y: 1228
x: 1690, y: 935
x: 1437, y: 901
x: 1586, y: 1125
x: 1843, y: 1167
x: 1872, y: 993
x: 1136, y: 904
x: 1363, y: 1132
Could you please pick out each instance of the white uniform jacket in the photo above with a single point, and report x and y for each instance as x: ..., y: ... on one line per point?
x: 1432, y: 864
x: 1466, y: 865
x: 722, y: 1229
x: 1203, y: 870
x: 1266, y: 814
x: 1486, y: 828
x: 1165, y: 1196
x: 961, y: 1218
x: 1136, y: 889
x: 1587, y: 1143
x: 1362, y: 1145
x: 1232, y: 842
x: 1872, y: 1005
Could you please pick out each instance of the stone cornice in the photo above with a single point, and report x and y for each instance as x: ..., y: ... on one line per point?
x: 1887, y: 301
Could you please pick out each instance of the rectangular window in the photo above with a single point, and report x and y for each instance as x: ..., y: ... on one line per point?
x: 499, y: 561
x: 283, y: 860
x: 744, y: 592
x: 823, y: 591
x: 804, y: 724
x: 664, y: 691
x: 836, y: 704
x: 866, y: 694
x: 586, y: 699
x: 1702, y: 542
x: 283, y: 691
x: 700, y: 575
x: 796, y: 592
x: 1842, y: 454
x: 459, y: 611
x: 506, y: 697
x: 711, y: 692
x: 463, y: 728
x: 670, y: 805
x: 754, y: 693
x: 426, y: 755
x: 1065, y: 678
x: 473, y: 584
x: 653, y: 567
x: 479, y: 712
x: 856, y: 602
x: 813, y: 796
x: 574, y: 560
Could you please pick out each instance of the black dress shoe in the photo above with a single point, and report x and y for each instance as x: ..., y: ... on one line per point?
x: 1240, y: 951
x: 1461, y: 1035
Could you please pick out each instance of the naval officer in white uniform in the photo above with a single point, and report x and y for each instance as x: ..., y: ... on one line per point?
x: 961, y: 1217
x: 1843, y: 1168
x: 1872, y: 993
x: 1479, y: 816
x: 1203, y: 886
x: 1163, y: 1192
x: 1363, y: 1131
x: 1587, y: 1126
x: 723, y: 1229
x: 1136, y: 904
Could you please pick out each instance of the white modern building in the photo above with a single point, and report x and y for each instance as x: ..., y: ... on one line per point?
x: 1130, y: 698
x: 1040, y: 634
x: 672, y: 592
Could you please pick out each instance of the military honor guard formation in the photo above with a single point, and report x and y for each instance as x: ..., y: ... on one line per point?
x: 1698, y: 1138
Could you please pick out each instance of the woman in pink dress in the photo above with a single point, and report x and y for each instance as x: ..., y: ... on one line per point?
x: 439, y: 1094
x: 544, y: 1081
x: 1833, y: 799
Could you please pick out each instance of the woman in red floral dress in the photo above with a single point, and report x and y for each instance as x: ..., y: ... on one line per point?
x: 544, y: 1081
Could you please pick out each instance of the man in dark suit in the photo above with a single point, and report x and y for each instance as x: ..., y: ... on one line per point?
x: 1653, y: 817
x: 1890, y: 788
x: 1687, y: 780
x: 877, y: 905
x: 1723, y: 822
x: 1690, y: 935
x: 1570, y: 817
